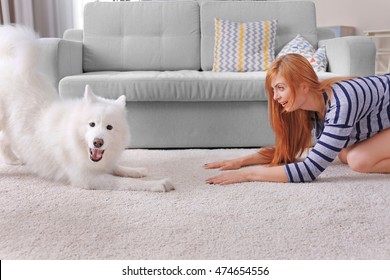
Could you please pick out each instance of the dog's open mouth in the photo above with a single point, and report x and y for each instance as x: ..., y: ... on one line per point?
x: 96, y: 154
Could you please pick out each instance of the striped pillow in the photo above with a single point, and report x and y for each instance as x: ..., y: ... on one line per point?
x: 244, y: 47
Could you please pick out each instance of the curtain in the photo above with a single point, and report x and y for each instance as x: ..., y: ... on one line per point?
x: 78, y: 12
x: 50, y: 18
x: 7, y: 12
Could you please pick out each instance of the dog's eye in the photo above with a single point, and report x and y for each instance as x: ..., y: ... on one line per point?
x: 91, y: 124
x: 109, y: 127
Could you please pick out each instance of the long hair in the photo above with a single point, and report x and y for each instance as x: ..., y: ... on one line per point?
x: 293, y: 130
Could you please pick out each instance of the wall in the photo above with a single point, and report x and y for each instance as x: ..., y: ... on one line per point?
x: 363, y: 15
x: 52, y: 17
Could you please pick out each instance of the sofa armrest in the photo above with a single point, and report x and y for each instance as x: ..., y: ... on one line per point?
x: 60, y: 58
x: 350, y: 56
x: 73, y: 35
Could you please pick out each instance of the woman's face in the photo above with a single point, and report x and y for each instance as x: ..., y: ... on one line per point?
x: 283, y: 94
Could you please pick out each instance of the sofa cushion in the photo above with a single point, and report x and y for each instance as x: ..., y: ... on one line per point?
x: 295, y: 17
x: 244, y: 46
x: 141, y: 36
x: 171, y: 86
x: 181, y: 86
x: 300, y: 45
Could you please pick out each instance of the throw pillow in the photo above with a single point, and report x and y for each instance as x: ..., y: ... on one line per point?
x: 244, y: 46
x: 300, y: 45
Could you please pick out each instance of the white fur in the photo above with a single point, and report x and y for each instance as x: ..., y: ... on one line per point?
x: 53, y: 137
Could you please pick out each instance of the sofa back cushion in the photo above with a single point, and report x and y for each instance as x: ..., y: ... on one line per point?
x: 141, y: 36
x: 295, y: 17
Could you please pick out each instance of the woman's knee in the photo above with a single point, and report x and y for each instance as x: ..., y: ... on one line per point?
x: 359, y: 161
x: 343, y: 156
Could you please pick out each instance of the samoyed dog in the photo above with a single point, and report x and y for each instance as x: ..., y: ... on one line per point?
x: 77, y: 142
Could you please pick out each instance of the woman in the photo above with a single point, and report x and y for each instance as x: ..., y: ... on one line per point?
x: 351, y: 117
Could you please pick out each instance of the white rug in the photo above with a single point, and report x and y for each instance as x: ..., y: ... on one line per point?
x: 343, y: 215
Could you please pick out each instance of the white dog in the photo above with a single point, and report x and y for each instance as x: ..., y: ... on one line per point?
x: 77, y: 142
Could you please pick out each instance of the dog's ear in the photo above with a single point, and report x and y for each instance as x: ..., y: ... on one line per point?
x: 89, y: 96
x: 121, y: 101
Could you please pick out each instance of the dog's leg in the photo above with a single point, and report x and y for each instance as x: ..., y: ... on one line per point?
x: 5, y: 145
x: 125, y: 184
x: 6, y: 151
x: 110, y: 182
x: 124, y: 171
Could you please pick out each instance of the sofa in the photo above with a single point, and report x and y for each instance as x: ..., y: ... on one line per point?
x: 160, y: 55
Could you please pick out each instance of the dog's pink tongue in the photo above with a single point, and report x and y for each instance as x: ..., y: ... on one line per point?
x: 97, y: 154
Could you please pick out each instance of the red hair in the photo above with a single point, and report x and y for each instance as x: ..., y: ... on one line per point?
x: 293, y: 130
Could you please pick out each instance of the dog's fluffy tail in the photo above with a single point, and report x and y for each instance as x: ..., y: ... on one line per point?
x: 19, y: 51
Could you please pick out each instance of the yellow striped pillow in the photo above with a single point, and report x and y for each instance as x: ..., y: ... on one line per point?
x: 244, y: 46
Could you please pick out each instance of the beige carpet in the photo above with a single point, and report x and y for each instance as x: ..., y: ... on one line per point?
x: 343, y: 215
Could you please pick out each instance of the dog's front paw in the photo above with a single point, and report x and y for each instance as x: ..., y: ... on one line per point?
x: 164, y: 185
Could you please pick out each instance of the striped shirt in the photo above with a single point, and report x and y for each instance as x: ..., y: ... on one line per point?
x: 357, y: 110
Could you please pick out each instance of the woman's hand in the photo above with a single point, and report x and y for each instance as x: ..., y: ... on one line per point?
x: 224, y: 165
x: 253, y: 159
x: 259, y: 174
x: 231, y: 177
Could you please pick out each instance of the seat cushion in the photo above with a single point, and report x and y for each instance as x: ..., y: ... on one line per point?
x: 179, y: 86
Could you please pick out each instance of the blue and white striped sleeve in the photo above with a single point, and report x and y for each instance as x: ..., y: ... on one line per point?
x: 333, y: 139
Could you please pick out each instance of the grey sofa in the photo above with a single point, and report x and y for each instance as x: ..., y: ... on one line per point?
x: 160, y: 55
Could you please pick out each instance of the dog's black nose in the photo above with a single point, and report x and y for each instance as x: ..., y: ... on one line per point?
x: 98, y: 142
